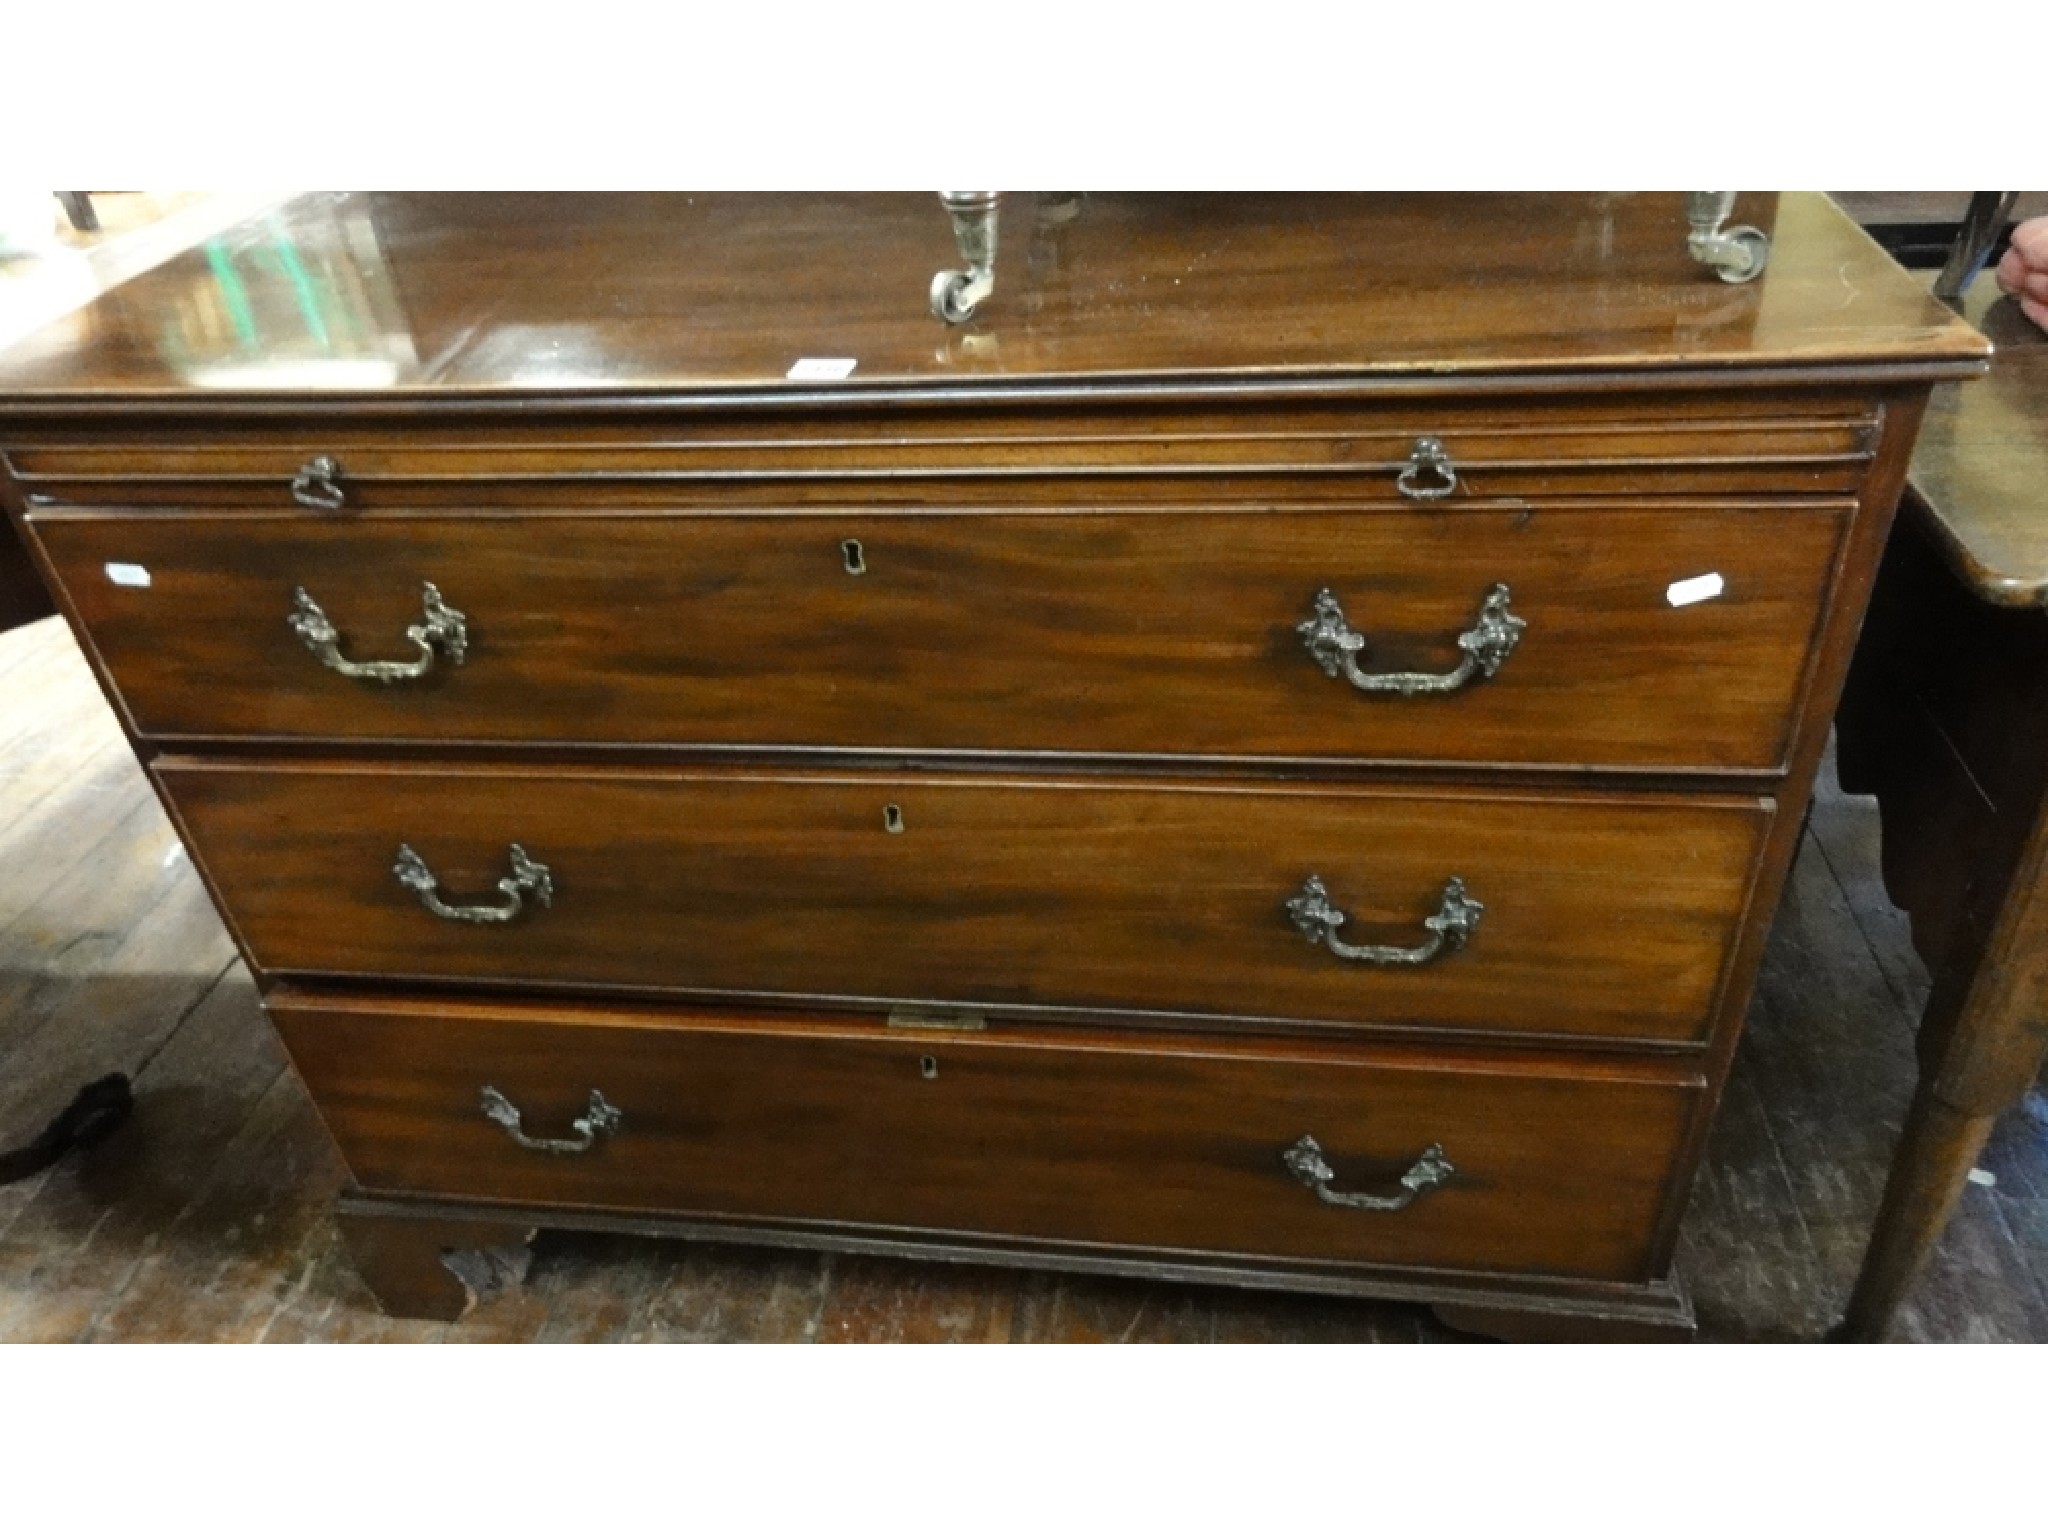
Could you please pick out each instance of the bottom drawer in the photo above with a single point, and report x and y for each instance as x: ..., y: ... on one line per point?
x: 1547, y: 1165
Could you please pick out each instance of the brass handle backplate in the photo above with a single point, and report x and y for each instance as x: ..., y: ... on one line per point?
x: 600, y: 1120
x: 528, y: 879
x: 1305, y: 1161
x: 440, y: 628
x: 1455, y: 920
x: 1335, y: 645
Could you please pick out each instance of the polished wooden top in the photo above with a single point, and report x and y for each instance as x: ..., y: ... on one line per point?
x: 1980, y: 471
x: 390, y: 297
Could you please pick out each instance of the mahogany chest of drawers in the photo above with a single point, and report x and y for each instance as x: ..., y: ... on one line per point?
x: 1267, y: 756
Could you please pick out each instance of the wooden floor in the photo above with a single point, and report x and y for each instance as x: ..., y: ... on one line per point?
x: 208, y: 1216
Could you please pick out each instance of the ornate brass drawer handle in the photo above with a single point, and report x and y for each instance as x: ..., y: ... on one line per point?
x: 1455, y: 920
x: 1305, y: 1161
x: 440, y: 627
x: 528, y: 878
x: 318, y: 485
x: 600, y: 1120
x: 1329, y: 637
x: 1427, y: 460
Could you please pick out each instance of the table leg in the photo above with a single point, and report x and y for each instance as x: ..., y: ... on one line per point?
x: 1940, y: 1147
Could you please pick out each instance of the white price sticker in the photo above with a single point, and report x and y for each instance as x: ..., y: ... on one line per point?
x: 822, y: 367
x: 127, y: 575
x: 1694, y: 589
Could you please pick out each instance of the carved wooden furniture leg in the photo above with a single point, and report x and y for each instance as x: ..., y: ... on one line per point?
x: 432, y: 1267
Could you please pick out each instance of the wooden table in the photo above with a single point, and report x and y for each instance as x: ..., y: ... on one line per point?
x: 1945, y: 719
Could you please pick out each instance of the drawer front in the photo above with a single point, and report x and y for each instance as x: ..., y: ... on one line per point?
x: 1602, y: 915
x: 1120, y: 449
x: 1178, y: 1145
x: 1127, y: 634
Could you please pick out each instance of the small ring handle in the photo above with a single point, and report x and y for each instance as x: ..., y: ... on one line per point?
x: 1427, y: 457
x: 318, y: 484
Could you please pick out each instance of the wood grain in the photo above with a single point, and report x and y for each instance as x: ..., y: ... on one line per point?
x: 1157, y: 346
x: 1977, y: 466
x: 1606, y: 916
x: 1150, y: 634
x: 1857, y: 572
x: 436, y: 1270
x: 1829, y: 1050
x: 1946, y: 722
x: 1137, y: 450
x: 1008, y: 1134
x: 574, y: 296
x: 22, y: 597
x: 77, y: 1242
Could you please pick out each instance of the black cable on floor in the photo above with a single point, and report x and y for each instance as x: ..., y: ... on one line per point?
x: 93, y: 1116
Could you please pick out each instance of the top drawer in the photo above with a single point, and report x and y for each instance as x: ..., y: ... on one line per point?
x: 1359, y: 452
x: 1561, y: 638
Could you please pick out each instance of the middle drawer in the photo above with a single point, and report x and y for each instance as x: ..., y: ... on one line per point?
x: 1539, y: 636
x: 1545, y: 914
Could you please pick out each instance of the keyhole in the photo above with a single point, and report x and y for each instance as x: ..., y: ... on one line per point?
x: 856, y: 565
x: 928, y: 1067
x: 892, y: 818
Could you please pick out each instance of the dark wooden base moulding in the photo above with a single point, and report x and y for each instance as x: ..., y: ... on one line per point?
x: 437, y: 1260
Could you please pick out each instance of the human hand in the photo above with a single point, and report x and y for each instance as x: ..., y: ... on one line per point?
x: 2024, y: 271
